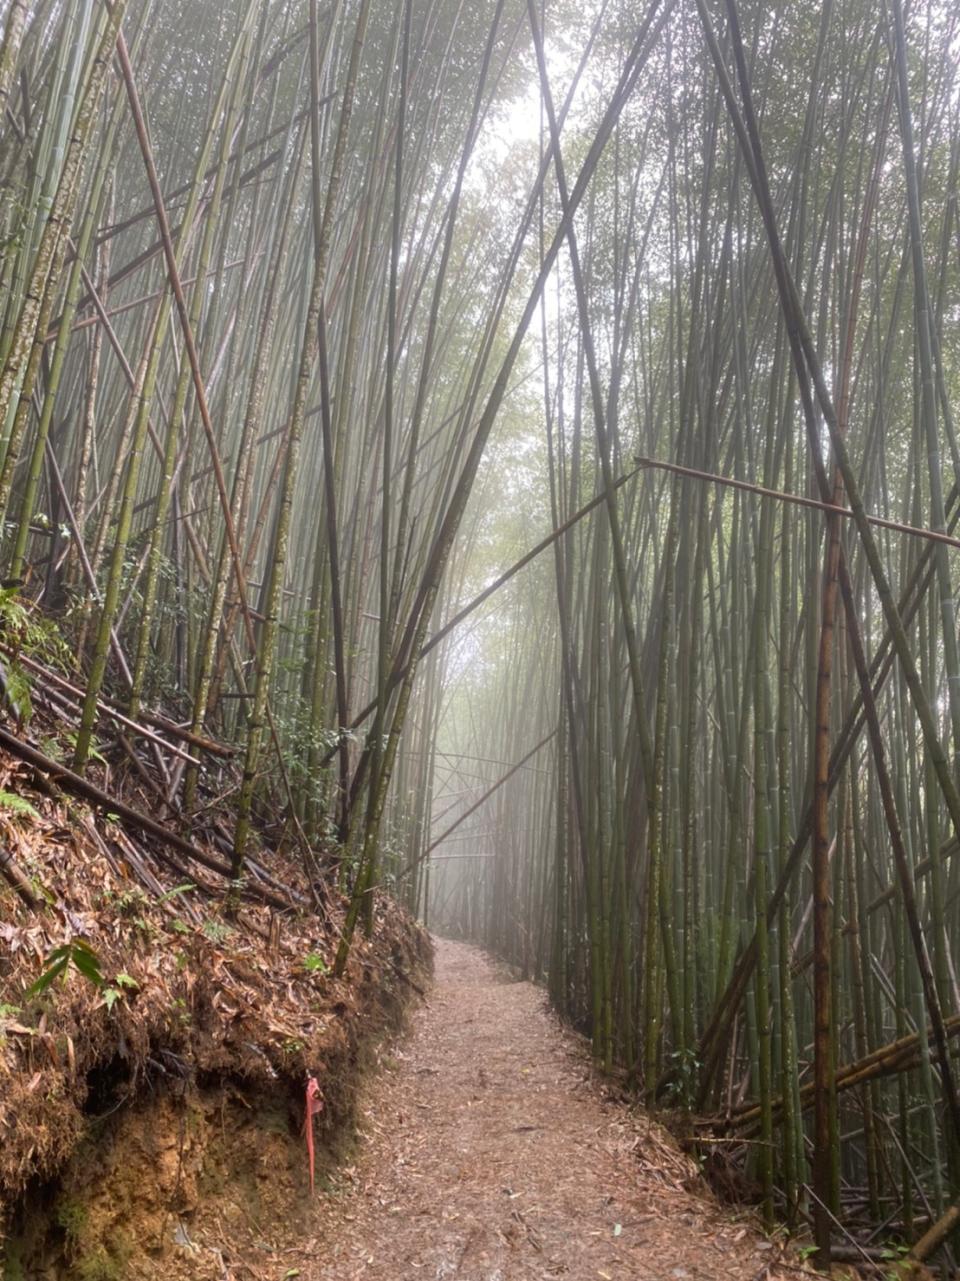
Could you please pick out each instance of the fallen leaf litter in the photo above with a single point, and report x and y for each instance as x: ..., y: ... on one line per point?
x: 489, y: 1152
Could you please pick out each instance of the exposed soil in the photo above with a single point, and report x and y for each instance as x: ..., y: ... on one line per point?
x: 200, y: 1177
x: 489, y: 1153
x: 150, y: 1115
x: 189, y: 999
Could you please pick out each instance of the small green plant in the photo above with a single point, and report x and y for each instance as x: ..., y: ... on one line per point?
x: 314, y: 963
x: 185, y: 888
x: 101, y: 1265
x: 114, y: 991
x: 11, y: 801
x: 54, y: 747
x: 72, y: 1217
x: 77, y: 953
x: 25, y: 631
x: 685, y: 1075
x: 895, y: 1252
x: 130, y: 901
x: 217, y: 931
x: 181, y: 1012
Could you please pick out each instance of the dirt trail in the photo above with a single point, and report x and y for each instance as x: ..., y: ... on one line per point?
x: 488, y: 1154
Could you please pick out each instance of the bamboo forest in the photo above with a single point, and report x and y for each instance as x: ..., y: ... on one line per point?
x: 479, y: 647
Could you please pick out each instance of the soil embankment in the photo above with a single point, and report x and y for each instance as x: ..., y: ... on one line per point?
x: 152, y: 1091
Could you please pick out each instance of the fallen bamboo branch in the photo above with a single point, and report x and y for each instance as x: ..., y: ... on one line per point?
x: 889, y: 1059
x: 935, y: 1235
x: 61, y: 702
x: 798, y: 500
x: 16, y: 876
x: 144, y: 719
x: 60, y: 706
x: 72, y: 782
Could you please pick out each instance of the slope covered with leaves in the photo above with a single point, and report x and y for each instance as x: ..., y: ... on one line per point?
x: 129, y: 994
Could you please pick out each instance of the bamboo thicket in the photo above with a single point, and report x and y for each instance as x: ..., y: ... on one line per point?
x: 523, y: 435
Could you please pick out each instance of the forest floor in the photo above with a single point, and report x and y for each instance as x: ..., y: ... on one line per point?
x: 488, y: 1152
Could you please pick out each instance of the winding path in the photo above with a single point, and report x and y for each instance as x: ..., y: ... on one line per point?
x: 488, y: 1154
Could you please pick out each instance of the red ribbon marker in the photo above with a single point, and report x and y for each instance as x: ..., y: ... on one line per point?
x: 313, y: 1107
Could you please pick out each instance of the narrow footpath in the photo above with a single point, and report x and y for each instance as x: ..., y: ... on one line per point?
x: 488, y: 1153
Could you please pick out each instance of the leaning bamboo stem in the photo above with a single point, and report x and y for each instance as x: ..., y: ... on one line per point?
x: 19, y: 372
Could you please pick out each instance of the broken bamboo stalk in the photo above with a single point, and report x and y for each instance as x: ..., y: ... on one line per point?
x: 139, y: 726
x: 58, y: 700
x: 897, y: 1056
x: 798, y: 500
x: 103, y: 800
x: 17, y: 878
x: 935, y: 1235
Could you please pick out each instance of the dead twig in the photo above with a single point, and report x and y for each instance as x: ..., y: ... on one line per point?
x: 16, y: 876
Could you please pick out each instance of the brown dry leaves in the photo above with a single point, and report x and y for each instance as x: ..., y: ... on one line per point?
x: 489, y: 1153
x: 206, y: 994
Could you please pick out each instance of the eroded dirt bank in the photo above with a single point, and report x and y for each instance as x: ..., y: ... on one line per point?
x: 152, y: 1097
x: 488, y: 1154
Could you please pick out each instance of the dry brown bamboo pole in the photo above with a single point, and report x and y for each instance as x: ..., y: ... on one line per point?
x: 799, y: 500
x: 140, y: 725
x: 935, y: 1235
x: 18, y: 878
x: 897, y: 1056
x: 71, y: 782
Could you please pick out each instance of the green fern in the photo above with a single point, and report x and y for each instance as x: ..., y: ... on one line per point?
x: 11, y: 801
